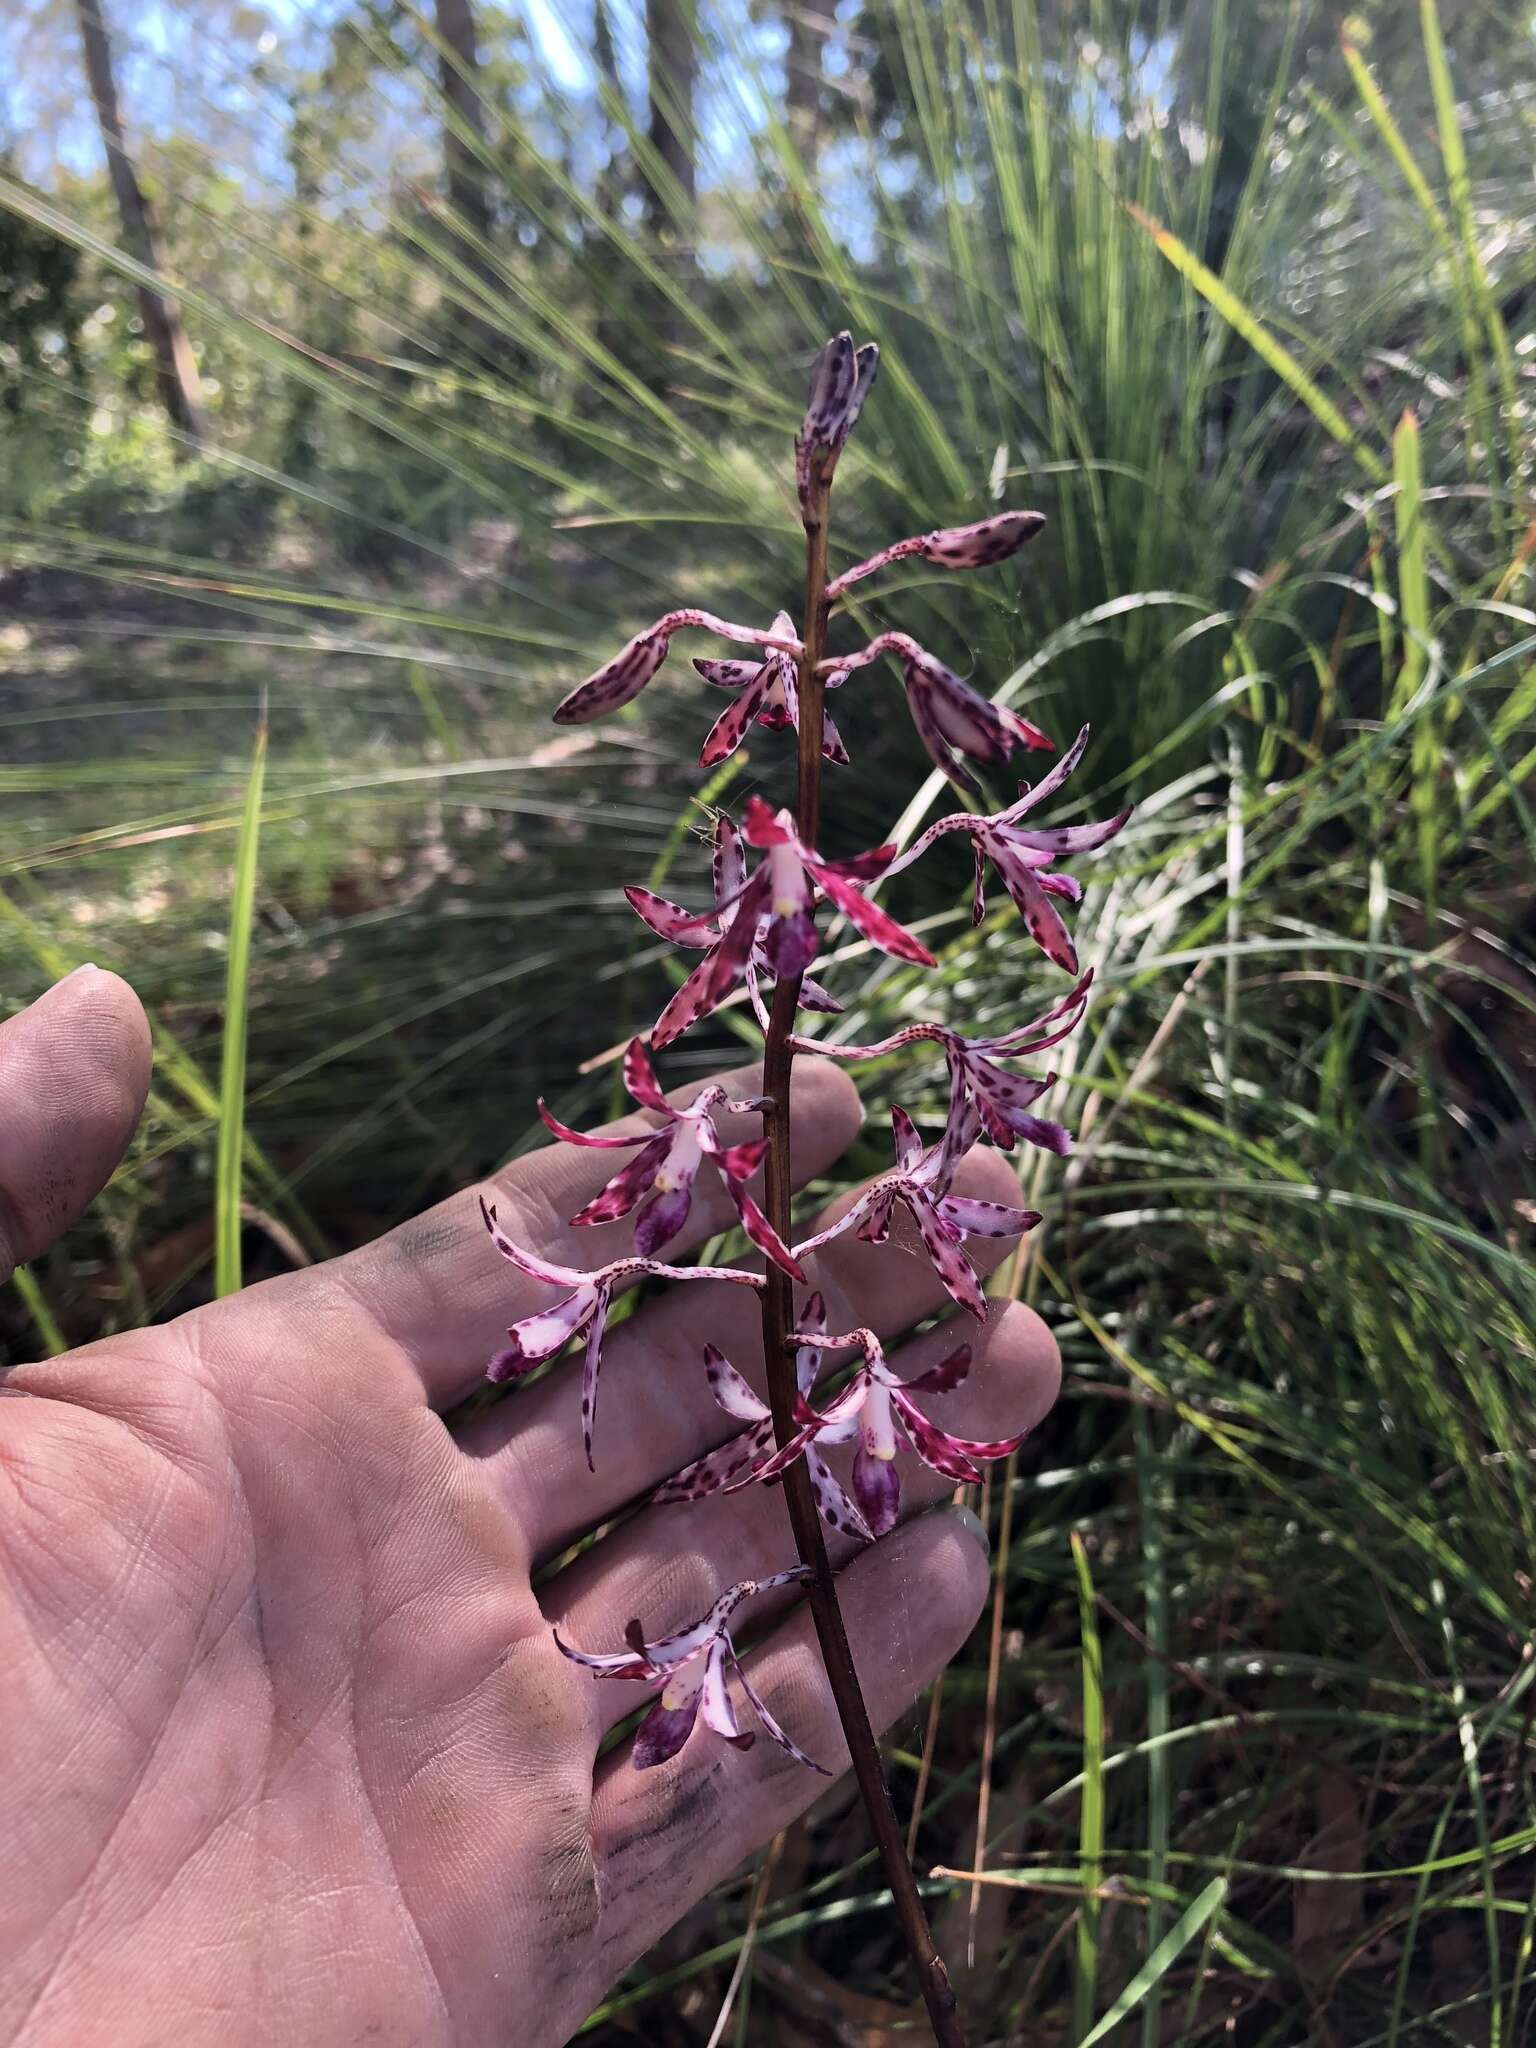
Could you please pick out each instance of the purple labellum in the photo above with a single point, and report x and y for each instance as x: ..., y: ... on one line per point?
x: 658, y: 1182
x: 662, y: 1733
x: 877, y: 1489
x: 878, y: 1409
x: 693, y: 1669
x: 768, y: 919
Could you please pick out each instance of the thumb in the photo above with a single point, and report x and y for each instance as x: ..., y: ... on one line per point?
x: 74, y: 1071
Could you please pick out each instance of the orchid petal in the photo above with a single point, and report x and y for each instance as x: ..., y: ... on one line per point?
x: 770, y: 1726
x: 591, y: 1364
x: 717, y: 1468
x: 719, y: 1713
x: 987, y: 1219
x: 832, y: 1503
x: 526, y: 1262
x: 667, y: 920
x: 762, y: 1232
x: 875, y: 924
x: 567, y: 1136
x: 629, y: 1186
x: 640, y: 1079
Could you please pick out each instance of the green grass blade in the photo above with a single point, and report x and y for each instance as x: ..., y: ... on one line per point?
x: 1264, y: 343
x: 229, y: 1178
x: 1091, y: 1823
x: 1152, y: 1972
x: 25, y: 1283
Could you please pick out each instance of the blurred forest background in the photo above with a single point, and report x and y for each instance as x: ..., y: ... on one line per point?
x: 386, y: 364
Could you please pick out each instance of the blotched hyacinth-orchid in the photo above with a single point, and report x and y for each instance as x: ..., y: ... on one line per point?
x: 772, y: 911
x: 920, y: 1182
x: 878, y: 1409
x: 761, y: 929
x: 619, y: 681
x: 951, y: 718
x: 770, y: 693
x: 1001, y: 1098
x: 658, y: 1182
x: 682, y: 928
x: 585, y: 1307
x: 743, y: 1458
x: 1023, y: 857
x: 693, y: 1668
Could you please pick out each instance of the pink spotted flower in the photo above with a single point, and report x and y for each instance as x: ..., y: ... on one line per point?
x: 920, y: 1183
x: 693, y: 1668
x: 976, y: 546
x: 1002, y: 1098
x: 670, y: 921
x: 951, y: 718
x: 877, y: 1408
x: 772, y: 911
x: 743, y: 1459
x: 1023, y: 857
x: 769, y: 691
x: 620, y: 681
x: 658, y: 1181
x: 584, y: 1306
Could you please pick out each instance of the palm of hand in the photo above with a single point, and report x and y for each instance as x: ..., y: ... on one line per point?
x: 311, y: 1681
x: 292, y: 1752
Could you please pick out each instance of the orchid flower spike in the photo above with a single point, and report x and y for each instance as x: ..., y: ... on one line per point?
x: 744, y: 1458
x: 1002, y: 1099
x: 584, y: 1307
x: 1023, y: 857
x: 658, y: 1181
x: 920, y: 1182
x: 841, y: 377
x: 951, y: 718
x: 692, y: 1669
x: 780, y: 896
x: 878, y: 1409
x: 976, y: 546
x: 770, y: 693
x: 621, y: 680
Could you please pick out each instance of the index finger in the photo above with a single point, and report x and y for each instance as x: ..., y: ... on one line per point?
x: 436, y: 1287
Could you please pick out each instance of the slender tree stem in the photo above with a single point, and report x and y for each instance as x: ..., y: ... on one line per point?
x: 778, y: 1324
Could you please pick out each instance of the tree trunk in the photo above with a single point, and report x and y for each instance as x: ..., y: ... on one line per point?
x: 673, y: 67
x: 610, y: 183
x: 464, y: 129
x: 809, y: 23
x: 175, y: 366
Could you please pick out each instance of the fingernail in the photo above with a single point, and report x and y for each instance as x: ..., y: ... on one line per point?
x: 85, y: 967
x: 973, y: 1526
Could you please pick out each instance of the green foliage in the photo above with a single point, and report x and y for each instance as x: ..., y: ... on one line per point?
x: 1177, y: 277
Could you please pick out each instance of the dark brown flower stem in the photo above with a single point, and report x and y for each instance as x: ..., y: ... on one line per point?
x: 778, y: 1323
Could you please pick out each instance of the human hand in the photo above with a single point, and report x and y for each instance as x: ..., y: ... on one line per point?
x: 291, y: 1753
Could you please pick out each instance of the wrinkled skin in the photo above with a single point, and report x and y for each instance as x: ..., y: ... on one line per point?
x: 290, y: 1753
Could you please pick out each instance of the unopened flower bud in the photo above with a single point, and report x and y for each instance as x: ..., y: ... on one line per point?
x: 987, y: 541
x: 617, y: 682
